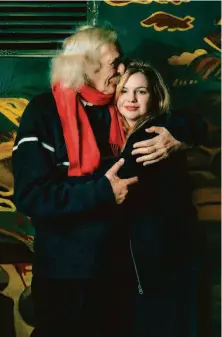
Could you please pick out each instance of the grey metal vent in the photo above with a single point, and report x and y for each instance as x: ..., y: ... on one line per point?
x: 38, y: 27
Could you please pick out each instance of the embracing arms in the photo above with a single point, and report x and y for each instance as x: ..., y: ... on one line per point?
x: 180, y: 133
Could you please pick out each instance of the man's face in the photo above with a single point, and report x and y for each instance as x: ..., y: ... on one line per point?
x: 105, y: 79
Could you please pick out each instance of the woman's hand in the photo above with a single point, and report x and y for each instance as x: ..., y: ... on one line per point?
x: 157, y: 148
x: 120, y: 186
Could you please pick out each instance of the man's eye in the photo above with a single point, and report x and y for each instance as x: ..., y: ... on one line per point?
x: 115, y: 63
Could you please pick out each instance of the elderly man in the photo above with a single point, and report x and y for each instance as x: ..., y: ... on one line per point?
x: 63, y: 136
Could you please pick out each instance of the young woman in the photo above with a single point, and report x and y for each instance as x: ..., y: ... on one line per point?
x: 157, y: 222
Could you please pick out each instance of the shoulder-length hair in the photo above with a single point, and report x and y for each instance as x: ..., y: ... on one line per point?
x: 82, y: 48
x: 160, y: 98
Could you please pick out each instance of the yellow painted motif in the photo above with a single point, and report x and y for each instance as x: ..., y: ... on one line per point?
x: 178, y: 83
x: 186, y: 57
x: 209, y: 66
x: 165, y: 2
x: 145, y: 2
x: 214, y: 40
x: 162, y: 20
x: 175, y: 82
x: 7, y: 205
x: 6, y: 176
x: 210, y: 70
x: 12, y: 108
x: 218, y: 73
x: 205, y: 67
x: 125, y: 3
x: 218, y: 23
x: 13, y: 292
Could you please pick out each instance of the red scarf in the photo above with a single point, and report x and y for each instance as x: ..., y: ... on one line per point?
x: 83, y: 152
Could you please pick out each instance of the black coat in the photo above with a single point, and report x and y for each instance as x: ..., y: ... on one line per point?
x: 158, y: 217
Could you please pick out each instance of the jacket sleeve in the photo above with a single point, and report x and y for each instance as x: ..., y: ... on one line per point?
x: 38, y: 192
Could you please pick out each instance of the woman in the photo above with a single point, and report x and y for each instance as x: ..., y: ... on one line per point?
x: 158, y: 217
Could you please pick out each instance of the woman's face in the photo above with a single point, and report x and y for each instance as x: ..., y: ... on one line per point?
x: 134, y: 99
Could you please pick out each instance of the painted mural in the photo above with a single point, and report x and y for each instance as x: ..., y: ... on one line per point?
x: 11, y: 109
x: 144, y: 2
x: 15, y: 279
x: 182, y: 39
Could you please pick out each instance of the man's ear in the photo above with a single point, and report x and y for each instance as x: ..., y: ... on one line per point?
x: 91, y: 65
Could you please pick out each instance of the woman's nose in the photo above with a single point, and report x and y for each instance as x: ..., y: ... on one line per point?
x: 131, y: 97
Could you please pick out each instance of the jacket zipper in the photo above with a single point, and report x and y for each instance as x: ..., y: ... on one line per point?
x: 140, y: 289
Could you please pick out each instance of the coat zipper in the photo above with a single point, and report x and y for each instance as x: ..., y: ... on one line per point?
x: 140, y: 289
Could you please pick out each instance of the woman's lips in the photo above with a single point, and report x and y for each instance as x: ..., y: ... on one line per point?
x: 131, y: 108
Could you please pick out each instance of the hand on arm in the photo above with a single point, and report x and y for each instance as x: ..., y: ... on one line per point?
x: 157, y: 148
x: 181, y: 132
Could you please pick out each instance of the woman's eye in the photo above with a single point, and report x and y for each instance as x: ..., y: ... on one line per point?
x: 141, y: 92
x: 123, y: 91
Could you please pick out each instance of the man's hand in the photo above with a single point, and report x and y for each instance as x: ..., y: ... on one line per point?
x: 120, y: 186
x: 157, y: 148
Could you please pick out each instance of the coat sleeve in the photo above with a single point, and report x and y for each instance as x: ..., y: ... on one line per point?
x: 38, y: 191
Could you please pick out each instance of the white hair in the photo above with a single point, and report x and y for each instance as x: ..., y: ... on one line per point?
x: 69, y: 65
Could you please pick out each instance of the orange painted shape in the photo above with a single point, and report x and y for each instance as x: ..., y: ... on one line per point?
x: 162, y: 20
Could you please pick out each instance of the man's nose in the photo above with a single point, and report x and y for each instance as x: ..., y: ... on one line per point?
x: 121, y: 69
